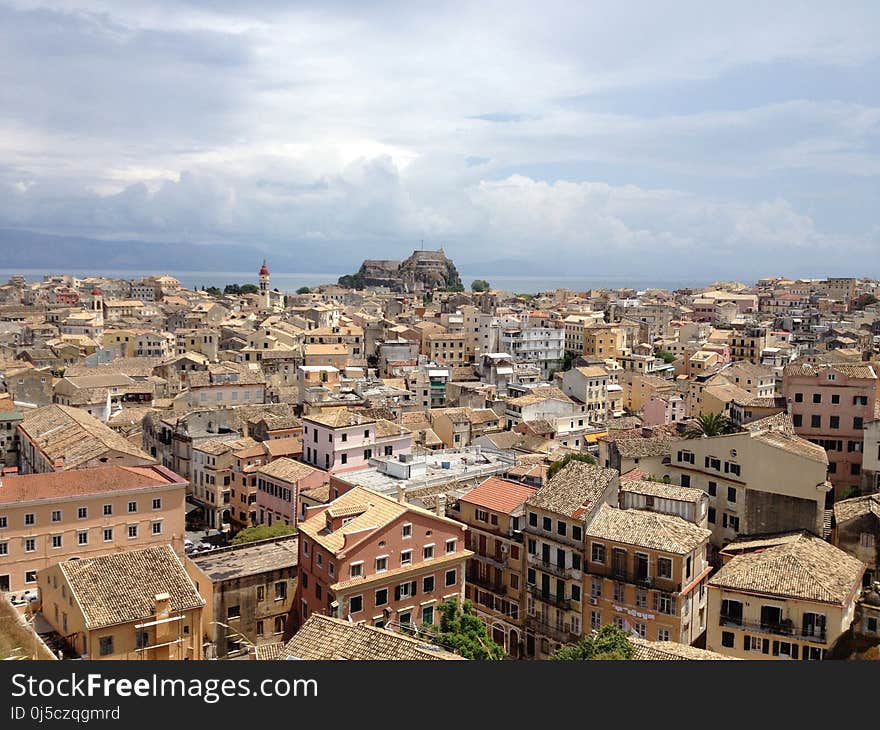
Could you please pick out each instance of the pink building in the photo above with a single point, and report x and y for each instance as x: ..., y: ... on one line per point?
x: 341, y: 440
x: 367, y: 557
x: 830, y: 405
x: 663, y: 409
x: 279, y: 484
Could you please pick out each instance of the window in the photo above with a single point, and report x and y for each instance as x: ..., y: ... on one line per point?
x: 108, y: 510
x: 344, y: 458
x: 381, y: 596
x: 157, y: 503
x: 798, y: 397
x: 730, y: 521
x: 132, y: 506
x: 82, y: 513
x: 82, y: 537
x: 428, y: 584
x: 105, y: 644
x: 56, y: 541
x: 405, y: 590
x: 142, y: 639
x: 619, y: 592
x: 261, y: 593
x: 713, y: 489
x: 686, y: 457
x: 406, y: 557
x: 132, y: 530
x: 233, y: 612
x: 797, y: 420
x: 260, y: 628
x: 3, y: 521
x: 428, y: 552
x: 450, y: 546
x: 835, y: 398
x: 596, y: 587
x: 547, y: 524
x: 834, y: 422
x: 30, y: 545
x: 56, y: 515
x: 662, y: 634
x: 29, y: 519
x: 731, y: 494
x: 817, y: 397
x: 561, y: 528
x: 815, y: 421
x: 482, y: 515
x: 598, y: 552
x: 858, y: 423
x: 664, y: 568
x: 356, y: 570
x: 727, y: 639
x: 157, y: 528
x: 407, y: 530
x: 382, y: 564
x: 533, y: 519
x: 368, y: 454
x: 427, y: 614
x: 685, y: 480
x: 355, y: 604
x: 280, y: 590
x: 576, y: 533
x: 30, y: 576
x: 451, y: 577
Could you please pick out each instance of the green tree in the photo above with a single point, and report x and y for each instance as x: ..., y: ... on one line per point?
x: 865, y: 300
x: 668, y: 357
x: 263, y: 532
x: 303, y: 290
x: 480, y: 285
x: 250, y: 289
x: 462, y: 632
x: 352, y: 281
x: 709, y: 424
x: 609, y: 643
x: 560, y: 464
x: 212, y: 290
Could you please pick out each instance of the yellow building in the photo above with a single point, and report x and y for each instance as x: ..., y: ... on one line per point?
x: 137, y: 604
x: 646, y: 573
x: 604, y: 341
x: 784, y: 597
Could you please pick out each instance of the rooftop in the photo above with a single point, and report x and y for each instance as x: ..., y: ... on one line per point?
x: 122, y: 587
x: 575, y: 490
x: 661, y: 490
x: 326, y: 638
x: 800, y: 566
x: 237, y: 561
x: 646, y: 529
x: 498, y: 495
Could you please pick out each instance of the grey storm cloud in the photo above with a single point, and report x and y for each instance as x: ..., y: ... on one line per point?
x: 501, y: 130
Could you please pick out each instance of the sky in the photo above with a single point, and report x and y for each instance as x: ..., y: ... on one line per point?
x: 679, y: 138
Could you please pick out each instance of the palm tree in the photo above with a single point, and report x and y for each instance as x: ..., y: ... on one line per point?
x: 709, y: 424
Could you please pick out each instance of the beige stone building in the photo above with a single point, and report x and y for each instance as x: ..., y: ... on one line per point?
x: 137, y: 604
x: 782, y: 597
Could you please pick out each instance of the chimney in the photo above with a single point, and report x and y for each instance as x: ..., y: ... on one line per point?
x: 440, y: 507
x: 401, y: 494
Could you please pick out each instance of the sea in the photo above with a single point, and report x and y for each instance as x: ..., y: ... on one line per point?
x: 289, y: 282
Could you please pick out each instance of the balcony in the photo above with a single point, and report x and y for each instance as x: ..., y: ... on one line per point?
x: 789, y: 629
x: 562, y: 634
x: 492, y: 559
x: 490, y: 584
x: 551, y: 599
x: 547, y: 566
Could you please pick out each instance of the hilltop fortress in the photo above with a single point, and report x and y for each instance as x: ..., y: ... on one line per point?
x: 422, y: 271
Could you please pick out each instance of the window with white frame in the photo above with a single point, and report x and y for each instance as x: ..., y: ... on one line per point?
x: 157, y: 528
x: 428, y: 552
x: 82, y: 537
x: 56, y: 515
x: 664, y: 568
x: 407, y: 530
x: 132, y: 531
x: 108, y: 534
x: 381, y: 563
x: 56, y: 541
x: 450, y: 546
x: 406, y: 557
x: 662, y: 634
x: 82, y: 513
x: 356, y: 570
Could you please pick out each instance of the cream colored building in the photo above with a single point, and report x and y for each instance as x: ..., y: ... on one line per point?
x: 137, y: 604
x: 783, y: 597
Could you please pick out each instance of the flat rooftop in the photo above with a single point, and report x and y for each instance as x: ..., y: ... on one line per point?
x: 238, y: 561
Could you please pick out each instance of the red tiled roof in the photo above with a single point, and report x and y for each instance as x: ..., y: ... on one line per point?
x: 499, y: 495
x: 79, y: 482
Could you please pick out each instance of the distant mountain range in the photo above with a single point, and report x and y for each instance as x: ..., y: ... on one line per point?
x: 29, y: 250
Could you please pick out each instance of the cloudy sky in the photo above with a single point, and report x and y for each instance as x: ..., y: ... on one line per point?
x: 591, y: 137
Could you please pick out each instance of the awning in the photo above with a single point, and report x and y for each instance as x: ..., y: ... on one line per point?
x: 592, y: 438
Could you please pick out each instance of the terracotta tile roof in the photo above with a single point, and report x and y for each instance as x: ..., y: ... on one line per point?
x: 849, y: 509
x: 575, y: 490
x: 499, y: 495
x: 386, y: 429
x: 339, y: 418
x: 792, y: 444
x: 671, y: 651
x: 634, y: 443
x: 803, y: 567
x: 74, y: 435
x: 326, y: 638
x: 83, y: 482
x: 777, y: 422
x: 121, y: 587
x: 539, y: 395
x: 646, y: 529
x: 268, y: 652
x: 381, y: 511
x: 287, y: 470
x: 850, y: 370
x: 663, y: 491
x: 283, y: 446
